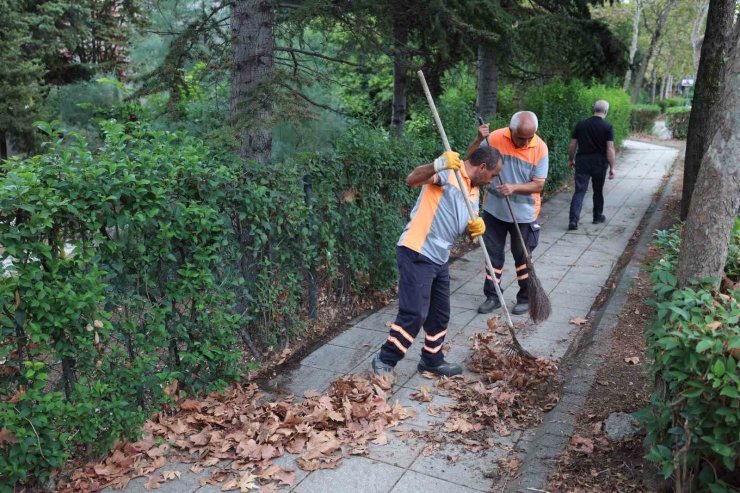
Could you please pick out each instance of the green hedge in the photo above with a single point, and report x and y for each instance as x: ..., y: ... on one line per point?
x: 643, y: 117
x: 560, y: 105
x: 664, y: 104
x: 677, y: 120
x: 693, y: 422
x: 153, y: 259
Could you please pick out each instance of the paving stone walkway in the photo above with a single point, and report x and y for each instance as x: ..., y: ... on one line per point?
x: 572, y: 265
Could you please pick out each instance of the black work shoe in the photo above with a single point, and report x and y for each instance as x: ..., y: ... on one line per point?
x: 380, y: 368
x: 443, y: 369
x: 599, y: 219
x: 491, y: 303
x: 520, y: 308
x: 572, y: 226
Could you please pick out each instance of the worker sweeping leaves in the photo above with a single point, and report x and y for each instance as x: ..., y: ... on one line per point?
x: 423, y: 253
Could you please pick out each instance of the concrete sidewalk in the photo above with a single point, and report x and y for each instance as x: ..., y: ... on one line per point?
x: 572, y: 266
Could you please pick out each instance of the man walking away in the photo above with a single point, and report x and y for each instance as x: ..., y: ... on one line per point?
x: 423, y: 252
x: 594, y: 140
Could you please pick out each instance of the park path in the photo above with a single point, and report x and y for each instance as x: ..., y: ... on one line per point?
x: 572, y: 265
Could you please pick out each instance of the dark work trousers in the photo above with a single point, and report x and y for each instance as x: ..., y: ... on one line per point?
x: 423, y: 300
x: 495, y: 239
x: 589, y: 166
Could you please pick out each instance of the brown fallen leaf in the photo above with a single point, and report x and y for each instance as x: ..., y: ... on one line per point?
x: 579, y: 321
x: 7, y: 437
x: 632, y: 360
x: 171, y: 475
x: 423, y: 395
x: 582, y: 444
x: 154, y: 482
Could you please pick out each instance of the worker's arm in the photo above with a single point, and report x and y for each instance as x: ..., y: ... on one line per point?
x: 421, y: 175
x: 424, y: 174
x: 572, y: 152
x: 534, y: 186
x: 611, y: 156
x: 483, y: 132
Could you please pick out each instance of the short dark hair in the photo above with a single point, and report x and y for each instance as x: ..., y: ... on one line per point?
x: 489, y: 155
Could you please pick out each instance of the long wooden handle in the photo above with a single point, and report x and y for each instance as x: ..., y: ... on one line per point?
x: 464, y: 190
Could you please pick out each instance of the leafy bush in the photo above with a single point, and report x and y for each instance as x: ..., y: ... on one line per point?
x: 664, y: 104
x: 677, y: 120
x: 559, y: 106
x: 643, y: 117
x: 111, y: 289
x: 694, y: 415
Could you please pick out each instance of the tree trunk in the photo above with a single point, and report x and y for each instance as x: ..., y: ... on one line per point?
x: 633, y: 46
x: 652, y: 90
x: 716, y: 200
x: 663, y: 81
x: 696, y: 38
x: 3, y: 146
x: 668, y: 88
x: 487, y: 81
x: 253, y: 42
x: 707, y: 91
x: 660, y: 24
x: 400, y: 69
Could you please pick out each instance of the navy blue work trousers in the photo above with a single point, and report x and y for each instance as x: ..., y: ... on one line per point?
x: 495, y: 239
x: 423, y: 301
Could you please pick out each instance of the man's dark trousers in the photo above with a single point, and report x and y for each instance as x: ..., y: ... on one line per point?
x: 593, y: 167
x: 423, y: 300
x: 495, y: 239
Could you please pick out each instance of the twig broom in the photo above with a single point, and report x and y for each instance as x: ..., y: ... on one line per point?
x: 514, y: 346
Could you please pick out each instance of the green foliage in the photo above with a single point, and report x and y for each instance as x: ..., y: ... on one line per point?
x: 643, y: 117
x: 677, y: 120
x: 559, y: 106
x: 76, y: 104
x: 21, y: 88
x: 672, y: 103
x: 112, y: 286
x: 693, y: 420
x: 732, y: 268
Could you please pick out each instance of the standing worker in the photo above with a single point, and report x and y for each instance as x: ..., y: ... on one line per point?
x: 525, y: 171
x: 423, y: 253
x: 594, y: 139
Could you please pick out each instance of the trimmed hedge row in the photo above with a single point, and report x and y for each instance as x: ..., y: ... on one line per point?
x: 643, y: 117
x: 677, y: 120
x: 693, y: 421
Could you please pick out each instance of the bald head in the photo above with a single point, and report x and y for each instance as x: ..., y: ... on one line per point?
x: 523, y: 127
x: 600, y: 107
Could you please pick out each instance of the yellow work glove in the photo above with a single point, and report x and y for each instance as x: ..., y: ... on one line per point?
x: 476, y: 227
x: 449, y: 160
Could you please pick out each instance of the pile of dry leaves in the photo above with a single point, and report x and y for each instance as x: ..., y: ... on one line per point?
x: 238, y: 426
x: 511, y: 392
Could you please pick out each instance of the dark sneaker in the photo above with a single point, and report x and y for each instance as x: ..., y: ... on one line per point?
x: 520, y: 308
x: 572, y: 226
x: 599, y: 219
x: 380, y: 368
x: 491, y: 303
x: 444, y: 369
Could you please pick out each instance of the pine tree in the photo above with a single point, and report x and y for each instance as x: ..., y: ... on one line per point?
x: 21, y: 87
